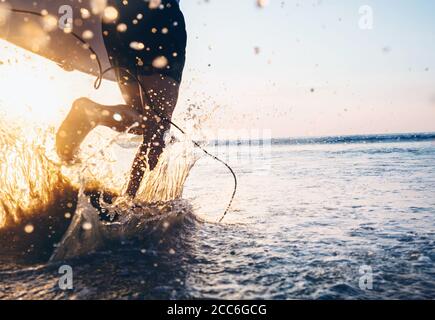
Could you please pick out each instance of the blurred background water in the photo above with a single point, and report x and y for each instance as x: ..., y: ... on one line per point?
x: 309, y: 217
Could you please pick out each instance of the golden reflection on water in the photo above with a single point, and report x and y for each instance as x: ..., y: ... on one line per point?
x: 36, y: 95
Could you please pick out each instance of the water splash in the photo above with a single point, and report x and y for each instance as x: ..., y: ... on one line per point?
x: 87, y: 233
x: 30, y: 180
x: 36, y: 187
x: 157, y: 206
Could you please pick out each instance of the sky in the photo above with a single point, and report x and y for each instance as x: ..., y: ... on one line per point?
x: 289, y: 69
x: 316, y: 72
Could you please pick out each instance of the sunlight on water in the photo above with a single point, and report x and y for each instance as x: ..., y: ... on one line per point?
x: 28, y: 178
x: 40, y: 95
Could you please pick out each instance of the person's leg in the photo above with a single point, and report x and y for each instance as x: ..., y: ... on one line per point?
x: 86, y: 114
x: 162, y: 91
x: 159, y: 101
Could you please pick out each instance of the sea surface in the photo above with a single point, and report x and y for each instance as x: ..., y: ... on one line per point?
x: 324, y: 218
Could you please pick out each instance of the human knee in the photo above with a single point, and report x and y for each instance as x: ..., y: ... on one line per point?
x: 81, y: 102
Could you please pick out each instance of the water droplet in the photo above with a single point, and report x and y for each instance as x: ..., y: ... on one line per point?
x: 137, y: 45
x: 110, y: 14
x: 160, y: 62
x: 62, y: 134
x: 117, y: 117
x: 87, y: 226
x: 98, y: 6
x: 85, y: 13
x: 29, y: 228
x: 154, y: 4
x: 49, y: 23
x: 122, y: 27
x: 87, y: 35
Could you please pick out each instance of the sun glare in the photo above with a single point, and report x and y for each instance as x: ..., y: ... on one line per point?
x: 37, y: 90
x: 36, y: 95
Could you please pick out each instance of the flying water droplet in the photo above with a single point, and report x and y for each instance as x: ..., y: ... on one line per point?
x: 29, y: 228
x: 160, y: 62
x: 135, y: 45
x: 110, y: 14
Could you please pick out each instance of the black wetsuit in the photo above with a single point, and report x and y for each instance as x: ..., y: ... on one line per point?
x: 150, y: 34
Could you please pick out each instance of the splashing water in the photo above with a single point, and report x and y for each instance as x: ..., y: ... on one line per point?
x: 157, y: 206
x: 29, y: 180
x: 33, y: 184
x: 37, y: 190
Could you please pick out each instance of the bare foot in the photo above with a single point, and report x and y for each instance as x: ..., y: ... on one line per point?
x: 74, y: 129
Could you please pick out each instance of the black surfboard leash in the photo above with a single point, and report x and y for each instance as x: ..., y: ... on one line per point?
x: 97, y: 85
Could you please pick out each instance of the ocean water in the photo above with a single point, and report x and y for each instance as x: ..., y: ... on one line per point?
x: 349, y: 218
